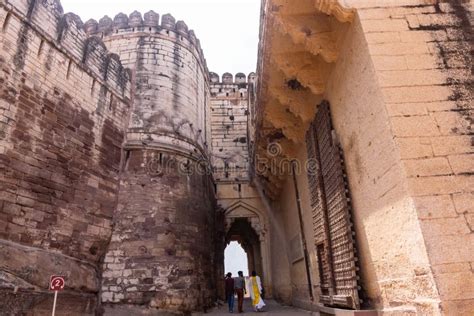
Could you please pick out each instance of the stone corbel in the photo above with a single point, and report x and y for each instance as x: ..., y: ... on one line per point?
x: 285, y: 120
x: 335, y: 8
x: 300, y: 102
x: 304, y: 32
x: 309, y: 71
x: 255, y: 223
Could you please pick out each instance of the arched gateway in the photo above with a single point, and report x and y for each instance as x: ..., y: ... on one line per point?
x: 249, y: 226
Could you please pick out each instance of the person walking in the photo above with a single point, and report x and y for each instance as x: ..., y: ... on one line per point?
x: 239, y: 286
x: 255, y: 289
x: 229, y: 291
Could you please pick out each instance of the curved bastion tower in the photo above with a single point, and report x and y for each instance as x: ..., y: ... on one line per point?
x: 161, y: 254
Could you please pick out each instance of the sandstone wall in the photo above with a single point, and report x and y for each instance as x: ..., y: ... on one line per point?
x: 161, y: 254
x: 423, y: 63
x: 171, y: 92
x: 162, y: 250
x: 64, y: 104
x: 290, y: 271
x: 229, y: 120
x: 395, y: 272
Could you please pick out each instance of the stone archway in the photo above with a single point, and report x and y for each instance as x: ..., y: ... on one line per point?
x: 242, y: 232
x: 249, y: 226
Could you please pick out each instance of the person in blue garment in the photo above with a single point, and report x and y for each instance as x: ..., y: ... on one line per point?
x: 229, y: 291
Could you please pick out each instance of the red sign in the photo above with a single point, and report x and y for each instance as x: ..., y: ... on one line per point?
x: 56, y: 283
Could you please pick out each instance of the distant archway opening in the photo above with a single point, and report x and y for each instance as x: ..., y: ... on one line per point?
x: 235, y: 259
x: 242, y: 232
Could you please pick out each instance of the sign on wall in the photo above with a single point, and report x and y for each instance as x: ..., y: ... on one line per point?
x: 296, y: 249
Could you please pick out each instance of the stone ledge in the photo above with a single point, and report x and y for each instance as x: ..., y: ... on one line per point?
x: 344, y: 312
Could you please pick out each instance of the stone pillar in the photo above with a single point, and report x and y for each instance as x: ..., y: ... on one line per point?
x: 266, y: 267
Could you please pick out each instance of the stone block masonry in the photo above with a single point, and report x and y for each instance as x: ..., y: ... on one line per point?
x: 230, y: 112
x: 105, y: 128
x: 424, y: 66
x: 64, y: 104
x: 172, y: 90
x: 161, y: 255
x: 106, y: 192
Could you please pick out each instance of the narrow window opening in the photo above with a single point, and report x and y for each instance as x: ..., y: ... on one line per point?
x: 220, y: 89
x: 227, y: 94
x: 68, y: 69
x: 6, y: 22
x: 125, y: 161
x: 40, y: 49
x: 93, y: 87
x: 111, y: 102
x: 241, y: 95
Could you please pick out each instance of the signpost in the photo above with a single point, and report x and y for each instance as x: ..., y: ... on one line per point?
x: 56, y: 283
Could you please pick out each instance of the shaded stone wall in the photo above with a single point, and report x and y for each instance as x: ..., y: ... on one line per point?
x: 395, y: 271
x: 423, y: 59
x: 162, y: 250
x: 398, y: 75
x: 230, y: 109
x: 64, y: 104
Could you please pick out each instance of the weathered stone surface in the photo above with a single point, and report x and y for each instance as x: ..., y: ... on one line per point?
x: 113, y: 194
x: 160, y: 255
x: 400, y: 89
x: 230, y: 111
x: 61, y: 128
x: 31, y: 268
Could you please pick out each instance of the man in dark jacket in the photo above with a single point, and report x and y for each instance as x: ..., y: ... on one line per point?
x: 229, y: 291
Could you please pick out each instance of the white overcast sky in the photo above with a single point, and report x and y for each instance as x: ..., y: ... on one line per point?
x: 235, y: 259
x: 227, y: 29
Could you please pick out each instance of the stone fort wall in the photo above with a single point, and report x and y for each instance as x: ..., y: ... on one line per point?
x: 161, y: 253
x: 424, y: 67
x: 104, y: 180
x: 230, y: 111
x: 64, y: 103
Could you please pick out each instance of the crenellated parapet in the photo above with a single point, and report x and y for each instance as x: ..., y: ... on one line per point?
x: 229, y: 79
x: 66, y: 33
x: 150, y: 24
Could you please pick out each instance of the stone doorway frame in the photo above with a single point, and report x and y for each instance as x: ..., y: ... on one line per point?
x: 260, y: 224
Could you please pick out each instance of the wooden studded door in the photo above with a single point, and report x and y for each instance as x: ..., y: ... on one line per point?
x: 332, y: 224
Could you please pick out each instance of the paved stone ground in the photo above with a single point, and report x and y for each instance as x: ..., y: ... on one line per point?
x: 272, y: 308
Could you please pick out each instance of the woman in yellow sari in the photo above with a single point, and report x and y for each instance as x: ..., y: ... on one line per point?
x: 255, y: 290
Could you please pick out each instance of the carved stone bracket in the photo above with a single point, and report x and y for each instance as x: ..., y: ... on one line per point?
x: 334, y: 7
